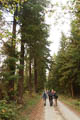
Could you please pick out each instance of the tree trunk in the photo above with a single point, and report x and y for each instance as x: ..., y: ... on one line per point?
x: 21, y: 74
x: 13, y: 48
x: 35, y: 75
x: 72, y: 90
x: 12, y: 68
x: 30, y: 85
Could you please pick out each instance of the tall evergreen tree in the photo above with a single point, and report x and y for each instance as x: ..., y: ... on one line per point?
x: 67, y: 60
x: 34, y: 34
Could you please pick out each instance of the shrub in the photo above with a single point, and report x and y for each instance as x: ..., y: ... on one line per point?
x: 7, y: 111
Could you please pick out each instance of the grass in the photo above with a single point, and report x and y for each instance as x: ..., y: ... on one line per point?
x: 29, y: 103
x: 72, y: 102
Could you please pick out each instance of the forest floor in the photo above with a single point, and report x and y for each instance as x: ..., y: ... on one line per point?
x: 38, y: 112
x: 30, y: 104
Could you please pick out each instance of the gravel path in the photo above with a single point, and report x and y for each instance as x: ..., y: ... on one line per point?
x: 61, y: 112
x: 67, y: 113
x: 52, y: 113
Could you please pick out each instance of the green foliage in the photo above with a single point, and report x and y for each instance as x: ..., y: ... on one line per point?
x: 67, y: 62
x: 34, y: 33
x: 7, y: 111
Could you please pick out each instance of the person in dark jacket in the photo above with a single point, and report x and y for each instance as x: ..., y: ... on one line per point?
x: 55, y: 98
x: 50, y: 94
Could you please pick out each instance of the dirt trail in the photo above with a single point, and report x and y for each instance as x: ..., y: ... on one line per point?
x: 52, y: 113
x: 61, y: 112
x: 38, y: 112
x: 67, y: 113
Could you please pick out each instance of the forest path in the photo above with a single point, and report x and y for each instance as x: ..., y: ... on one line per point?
x: 67, y: 113
x: 61, y: 112
x: 52, y: 112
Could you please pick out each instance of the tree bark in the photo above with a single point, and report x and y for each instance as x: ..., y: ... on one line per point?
x: 72, y: 90
x: 21, y: 74
x: 35, y: 75
x: 30, y: 85
x: 12, y: 68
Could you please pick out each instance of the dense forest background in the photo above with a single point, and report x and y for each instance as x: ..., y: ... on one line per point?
x: 25, y: 50
x: 64, y: 74
x: 25, y: 55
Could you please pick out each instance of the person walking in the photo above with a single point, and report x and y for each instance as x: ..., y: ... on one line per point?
x: 55, y: 98
x: 44, y: 96
x: 52, y: 92
x: 50, y: 98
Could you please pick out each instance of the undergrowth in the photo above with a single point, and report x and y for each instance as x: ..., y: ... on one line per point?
x: 14, y: 111
x: 29, y: 103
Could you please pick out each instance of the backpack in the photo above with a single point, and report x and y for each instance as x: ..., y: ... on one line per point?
x: 50, y: 96
x: 55, y: 96
x: 44, y: 95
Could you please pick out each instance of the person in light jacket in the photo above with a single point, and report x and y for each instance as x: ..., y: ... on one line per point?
x: 44, y: 96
